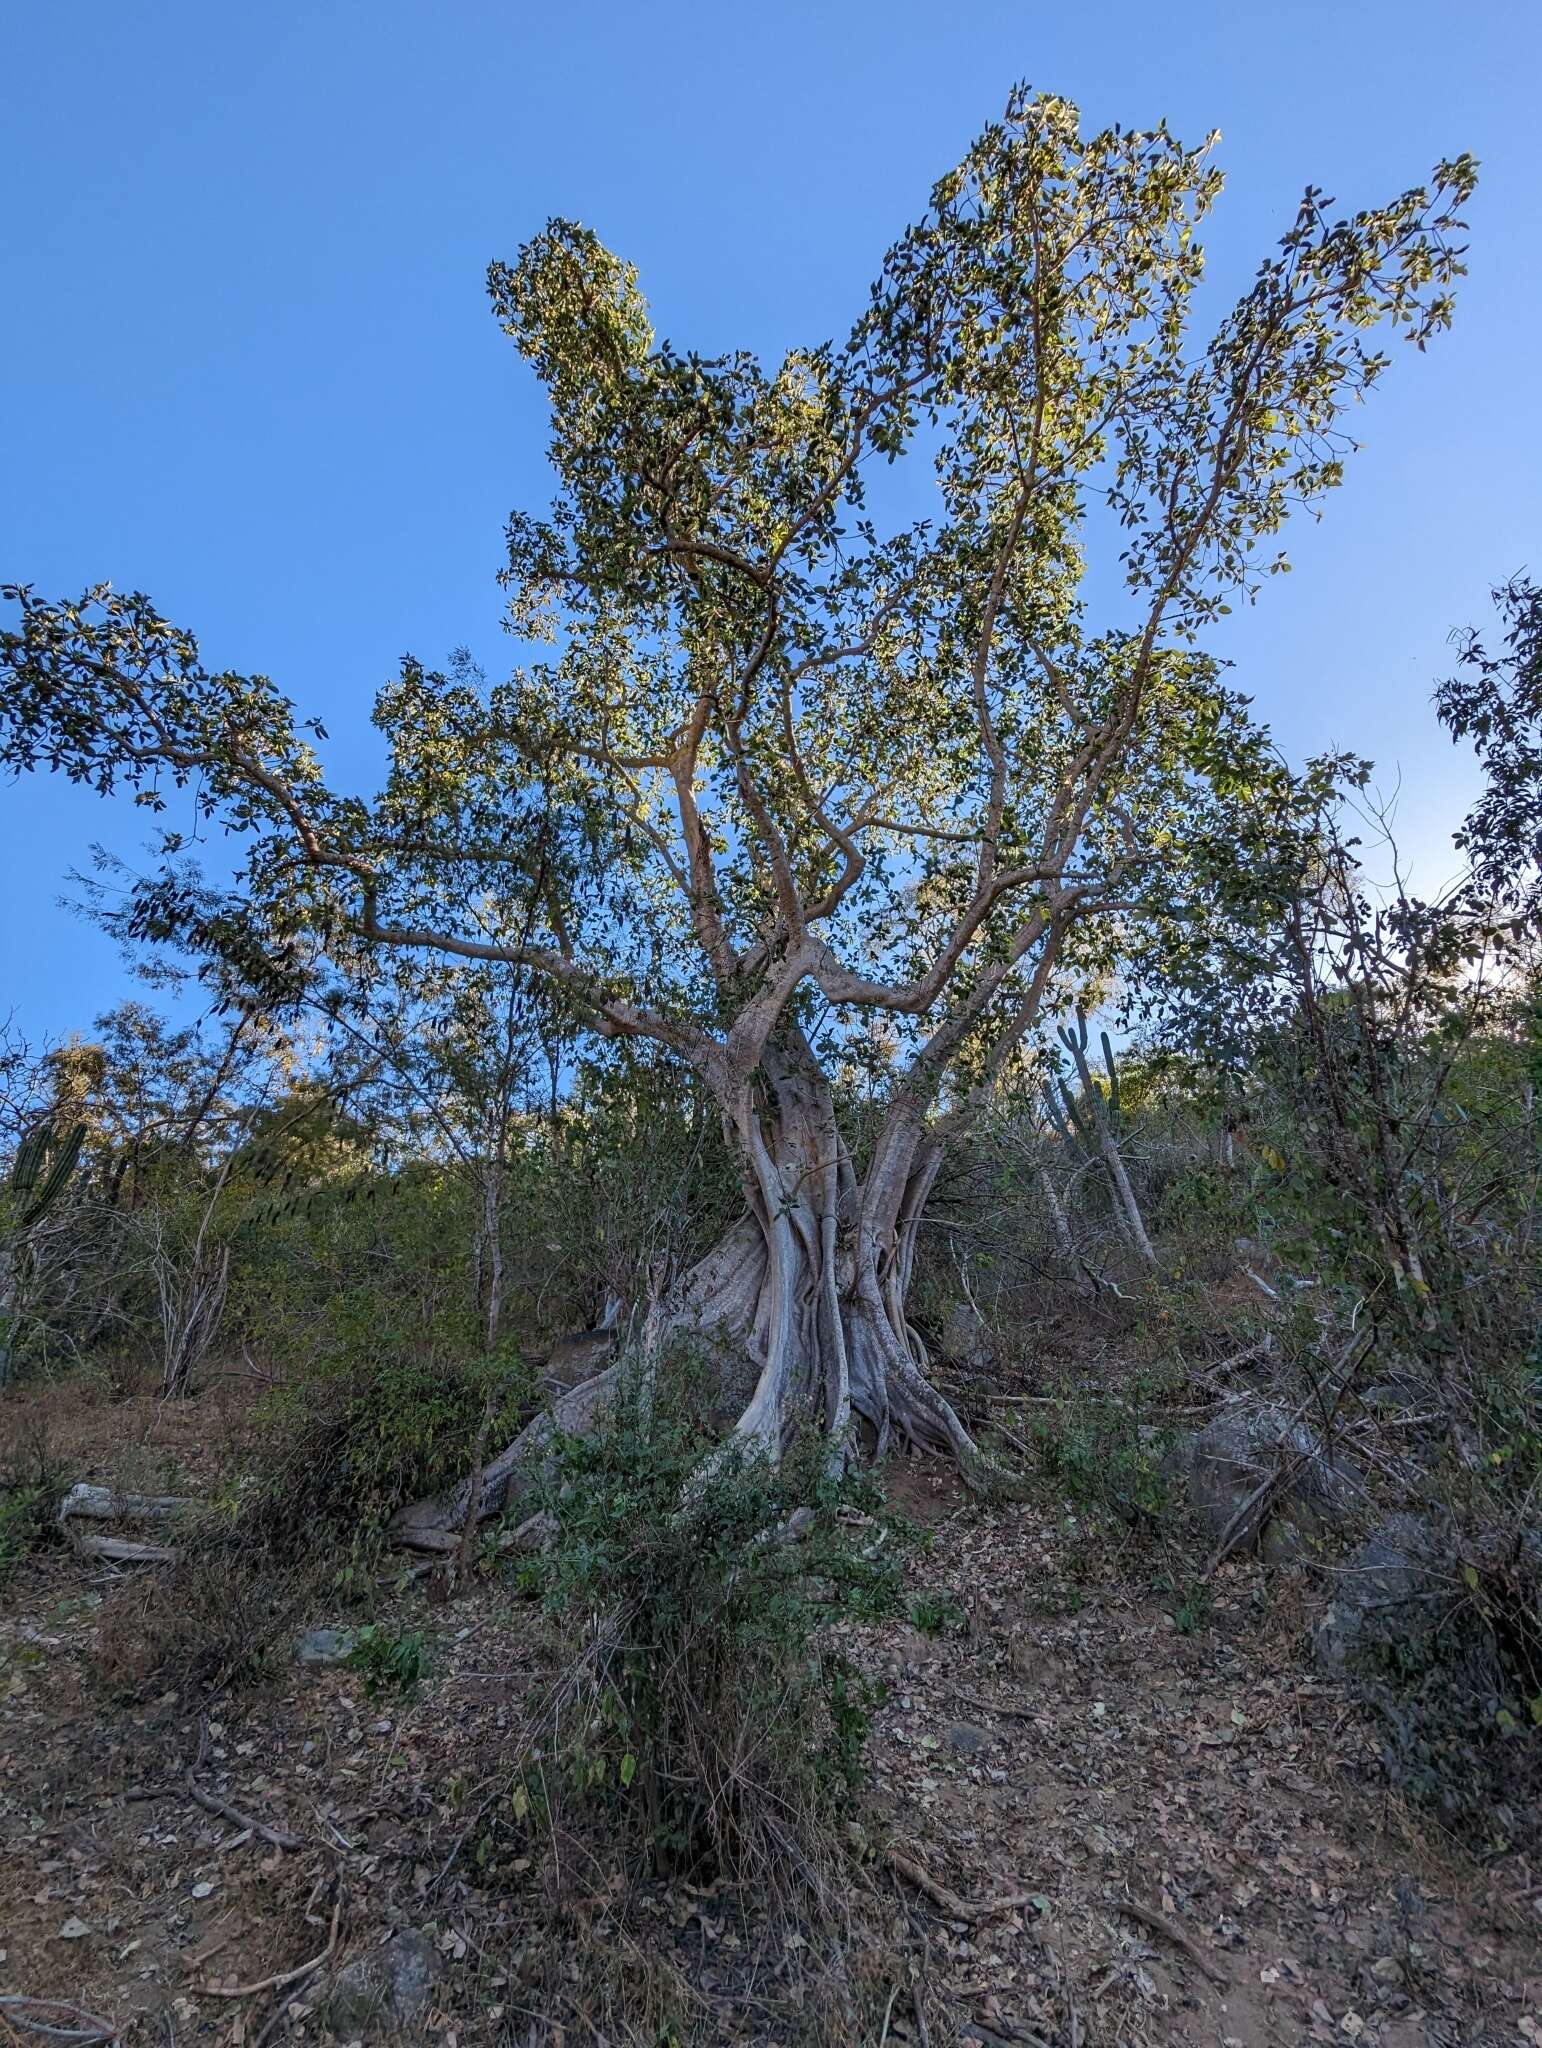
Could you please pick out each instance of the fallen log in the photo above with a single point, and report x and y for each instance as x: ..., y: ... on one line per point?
x: 86, y: 1504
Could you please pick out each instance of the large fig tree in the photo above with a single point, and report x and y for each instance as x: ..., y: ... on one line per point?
x: 873, y: 695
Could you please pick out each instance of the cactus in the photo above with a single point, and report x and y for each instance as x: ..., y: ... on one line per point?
x: 40, y: 1173
x: 1090, y: 1120
x: 41, y: 1170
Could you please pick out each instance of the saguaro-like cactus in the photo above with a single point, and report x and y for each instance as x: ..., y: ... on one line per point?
x: 1090, y: 1120
x: 44, y: 1161
x: 40, y: 1172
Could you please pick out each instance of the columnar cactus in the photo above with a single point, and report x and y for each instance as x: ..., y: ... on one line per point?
x: 44, y: 1161
x: 1090, y: 1119
x: 40, y: 1172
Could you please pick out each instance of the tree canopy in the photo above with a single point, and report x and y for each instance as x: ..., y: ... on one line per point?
x: 778, y: 744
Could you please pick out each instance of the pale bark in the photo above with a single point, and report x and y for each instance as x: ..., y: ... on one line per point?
x: 800, y: 1308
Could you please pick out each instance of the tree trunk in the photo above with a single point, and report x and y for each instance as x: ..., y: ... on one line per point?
x: 490, y: 1250
x: 1125, y: 1204
x: 801, y: 1306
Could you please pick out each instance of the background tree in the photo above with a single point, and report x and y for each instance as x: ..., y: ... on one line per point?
x: 792, y: 765
x: 1494, y: 701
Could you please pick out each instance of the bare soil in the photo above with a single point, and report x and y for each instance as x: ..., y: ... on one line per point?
x: 1198, y: 1831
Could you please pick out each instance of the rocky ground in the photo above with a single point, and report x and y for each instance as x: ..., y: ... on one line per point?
x: 1101, y: 1812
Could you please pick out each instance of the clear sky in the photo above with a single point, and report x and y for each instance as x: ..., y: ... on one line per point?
x: 247, y: 365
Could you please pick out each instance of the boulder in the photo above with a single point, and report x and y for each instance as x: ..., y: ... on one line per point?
x: 1233, y: 1456
x: 386, y: 1991
x: 1392, y: 1594
x: 326, y: 1645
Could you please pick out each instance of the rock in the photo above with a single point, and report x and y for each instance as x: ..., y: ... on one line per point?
x: 536, y: 1532
x: 1394, y: 1591
x: 1233, y: 1456
x: 1393, y: 1396
x: 578, y: 1357
x: 966, y: 1340
x: 969, y: 1740
x: 387, y: 1989
x: 326, y: 1645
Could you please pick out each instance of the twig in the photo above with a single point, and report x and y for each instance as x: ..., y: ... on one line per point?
x: 888, y: 2013
x: 19, y: 2011
x: 974, y: 1699
x: 284, y: 1978
x: 211, y: 1802
x: 1159, y: 1923
x: 950, y: 1902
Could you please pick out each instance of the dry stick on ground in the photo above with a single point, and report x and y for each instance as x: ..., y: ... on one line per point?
x: 211, y: 1802
x: 19, y: 2011
x: 1159, y: 1923
x: 950, y: 1902
x: 283, y: 1980
x: 974, y: 1699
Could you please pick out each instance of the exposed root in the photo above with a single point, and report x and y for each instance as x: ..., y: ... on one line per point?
x: 1148, y: 1916
x: 949, y: 1901
x: 58, y: 2019
x: 285, y: 1979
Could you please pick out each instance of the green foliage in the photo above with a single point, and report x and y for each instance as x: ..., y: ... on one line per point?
x: 1191, y: 1615
x: 391, y: 1660
x: 935, y: 1614
x: 929, y: 726
x: 707, y: 1706
x: 372, y: 1429
x: 24, y: 1527
x: 1104, y: 1460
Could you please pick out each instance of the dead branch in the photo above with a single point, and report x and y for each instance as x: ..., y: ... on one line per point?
x: 19, y: 2011
x: 211, y: 1802
x: 1159, y: 1923
x: 101, y: 1504
x: 284, y: 1978
x: 974, y: 1699
x: 949, y: 1901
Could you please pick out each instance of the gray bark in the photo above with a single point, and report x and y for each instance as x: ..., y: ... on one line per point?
x: 801, y: 1305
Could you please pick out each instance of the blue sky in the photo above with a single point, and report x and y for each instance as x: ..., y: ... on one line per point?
x: 247, y: 363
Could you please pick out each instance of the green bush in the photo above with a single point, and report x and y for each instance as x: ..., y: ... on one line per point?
x: 1104, y: 1460
x: 359, y: 1437
x: 703, y: 1699
x: 390, y: 1660
x: 23, y: 1525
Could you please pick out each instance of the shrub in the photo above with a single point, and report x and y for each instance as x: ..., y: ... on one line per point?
x: 390, y: 1660
x: 30, y: 1489
x: 1452, y: 1674
x: 361, y: 1436
x: 23, y: 1527
x: 1104, y: 1460
x: 209, y: 1620
x: 702, y: 1698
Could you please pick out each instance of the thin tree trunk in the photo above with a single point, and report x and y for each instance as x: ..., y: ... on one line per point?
x: 1124, y: 1196
x: 492, y: 1251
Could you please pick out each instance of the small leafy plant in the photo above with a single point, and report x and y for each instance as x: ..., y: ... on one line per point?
x: 390, y: 1660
